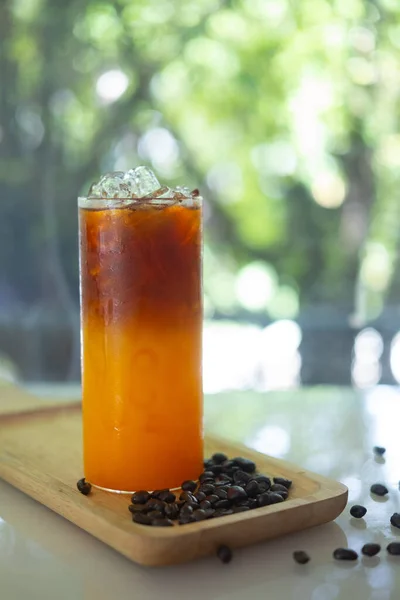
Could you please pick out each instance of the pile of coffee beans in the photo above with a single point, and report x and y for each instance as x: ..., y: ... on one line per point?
x: 225, y: 487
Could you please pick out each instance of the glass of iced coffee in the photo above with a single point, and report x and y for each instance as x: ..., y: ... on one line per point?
x: 141, y: 319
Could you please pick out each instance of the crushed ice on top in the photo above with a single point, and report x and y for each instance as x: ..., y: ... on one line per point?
x: 136, y: 183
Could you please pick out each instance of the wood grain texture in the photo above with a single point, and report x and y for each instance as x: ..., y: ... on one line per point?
x: 40, y: 453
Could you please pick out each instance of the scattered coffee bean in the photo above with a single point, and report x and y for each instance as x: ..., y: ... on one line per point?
x: 222, y: 504
x: 345, y: 554
x: 301, y: 557
x: 167, y: 497
x: 186, y: 510
x: 379, y: 450
x: 241, y: 477
x: 252, y: 489
x: 282, y: 481
x: 379, y: 489
x: 394, y: 548
x: 274, y: 497
x: 141, y: 519
x: 158, y: 493
x: 219, y: 457
x: 208, y: 462
x: 395, y: 520
x: 227, y: 466
x: 188, y: 497
x: 140, y: 497
x: 200, y: 496
x: 216, y: 469
x: 189, y: 486
x: 236, y: 494
x: 154, y: 504
x: 207, y: 489
x: 209, y: 512
x: 252, y: 503
x: 205, y: 504
x: 263, y: 499
x: 135, y: 508
x: 205, y: 476
x: 221, y: 493
x: 245, y: 464
x: 264, y: 483
x: 213, y: 498
x: 199, y: 515
x: 155, y: 514
x: 370, y: 549
x: 239, y: 509
x: 172, y: 511
x: 281, y: 489
x: 357, y: 511
x: 84, y: 486
x: 224, y: 553
x: 161, y: 523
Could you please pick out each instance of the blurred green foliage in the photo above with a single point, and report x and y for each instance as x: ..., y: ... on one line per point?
x: 284, y: 113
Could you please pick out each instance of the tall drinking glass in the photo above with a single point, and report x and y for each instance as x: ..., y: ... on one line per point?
x: 141, y: 320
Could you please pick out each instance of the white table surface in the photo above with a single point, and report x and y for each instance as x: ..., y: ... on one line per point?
x: 331, y: 431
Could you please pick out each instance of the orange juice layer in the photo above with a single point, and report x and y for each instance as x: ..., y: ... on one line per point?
x: 141, y: 347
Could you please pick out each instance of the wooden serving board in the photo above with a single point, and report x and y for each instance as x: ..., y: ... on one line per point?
x: 40, y: 453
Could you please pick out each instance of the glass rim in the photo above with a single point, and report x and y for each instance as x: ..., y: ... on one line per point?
x: 104, y: 202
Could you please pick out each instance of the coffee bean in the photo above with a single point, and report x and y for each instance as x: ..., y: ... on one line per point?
x: 263, y: 482
x: 157, y: 493
x: 219, y: 457
x: 207, y: 488
x: 227, y: 466
x: 212, y: 498
x: 222, y: 504
x: 379, y: 489
x: 221, y: 493
x: 281, y: 489
x: 155, y: 514
x: 172, y: 511
x: 252, y: 489
x: 222, y: 483
x: 205, y: 476
x: 252, y: 503
x: 189, y: 486
x: 205, y: 504
x: 207, y: 463
x: 379, y: 450
x: 140, y: 497
x: 216, y: 469
x: 209, y: 512
x: 370, y: 549
x: 185, y: 519
x: 186, y: 511
x: 188, y: 497
x: 264, y: 499
x: 357, y: 511
x: 154, y: 504
x: 200, y: 496
x: 394, y: 548
x: 167, y: 497
x: 274, y: 498
x: 84, y: 486
x: 162, y: 523
x: 395, y: 520
x: 239, y: 509
x: 245, y: 464
x: 135, y: 508
x: 224, y: 553
x: 236, y: 494
x: 345, y: 554
x: 301, y: 557
x: 199, y: 515
x: 141, y: 519
x: 241, y: 477
x: 282, y: 481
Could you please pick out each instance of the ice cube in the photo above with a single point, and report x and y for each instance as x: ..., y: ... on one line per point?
x: 146, y: 181
x: 95, y: 191
x: 182, y: 192
x: 113, y: 186
x: 162, y: 192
